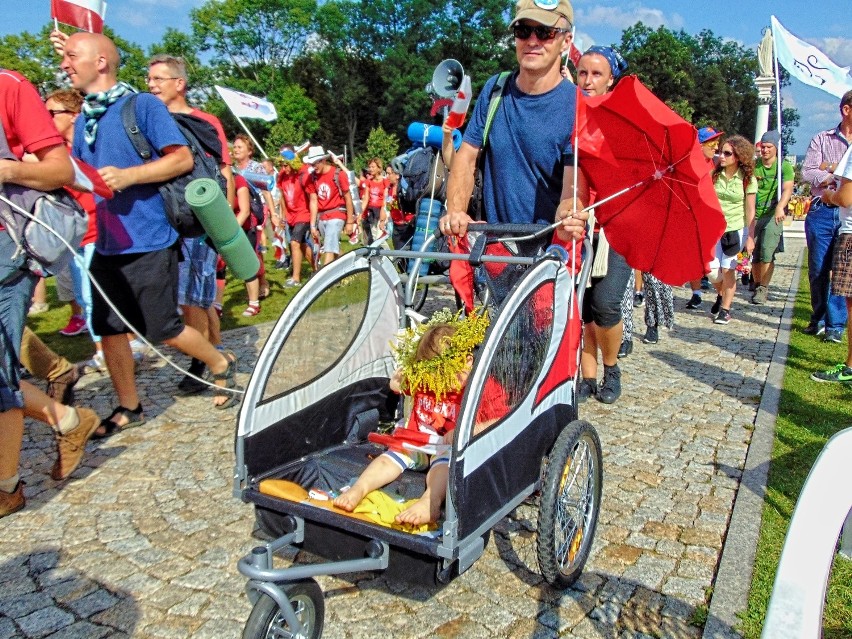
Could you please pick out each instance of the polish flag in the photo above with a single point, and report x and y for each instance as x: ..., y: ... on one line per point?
x: 87, y: 15
x: 88, y: 180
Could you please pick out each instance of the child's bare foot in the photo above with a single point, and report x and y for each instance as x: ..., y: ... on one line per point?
x: 350, y: 499
x: 419, y: 513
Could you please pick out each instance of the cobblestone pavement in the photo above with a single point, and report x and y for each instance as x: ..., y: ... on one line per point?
x: 143, y: 540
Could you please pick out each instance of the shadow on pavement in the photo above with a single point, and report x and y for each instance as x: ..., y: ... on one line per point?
x: 40, y: 597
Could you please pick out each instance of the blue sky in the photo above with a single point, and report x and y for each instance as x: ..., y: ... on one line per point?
x: 825, y: 25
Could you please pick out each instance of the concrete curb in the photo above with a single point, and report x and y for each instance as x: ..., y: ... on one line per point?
x: 733, y: 579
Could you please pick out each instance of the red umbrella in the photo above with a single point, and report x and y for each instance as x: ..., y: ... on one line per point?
x: 655, y: 196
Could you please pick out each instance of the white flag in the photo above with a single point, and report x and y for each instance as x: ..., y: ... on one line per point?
x: 244, y: 105
x: 807, y: 63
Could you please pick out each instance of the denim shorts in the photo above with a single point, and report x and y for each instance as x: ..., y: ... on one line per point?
x: 16, y: 291
x: 197, y: 274
x: 330, y: 230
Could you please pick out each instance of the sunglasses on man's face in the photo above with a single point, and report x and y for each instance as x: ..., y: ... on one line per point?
x: 524, y: 31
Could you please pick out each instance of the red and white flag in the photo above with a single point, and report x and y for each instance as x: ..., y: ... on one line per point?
x: 87, y: 15
x: 88, y: 180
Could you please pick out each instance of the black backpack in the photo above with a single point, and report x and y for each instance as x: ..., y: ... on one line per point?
x: 256, y: 203
x: 418, y: 167
x: 206, y: 148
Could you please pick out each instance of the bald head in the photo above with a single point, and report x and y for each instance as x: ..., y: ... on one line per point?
x: 91, y: 61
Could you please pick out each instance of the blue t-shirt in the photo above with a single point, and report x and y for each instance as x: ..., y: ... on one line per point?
x: 529, y: 146
x: 133, y: 221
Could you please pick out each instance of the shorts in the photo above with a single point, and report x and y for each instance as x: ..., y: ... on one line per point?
x: 143, y: 286
x: 197, y: 274
x: 602, y: 300
x: 16, y: 290
x: 300, y: 232
x: 841, y: 266
x: 416, y: 460
x: 65, y: 284
x: 330, y: 229
x: 720, y: 260
x: 768, y: 239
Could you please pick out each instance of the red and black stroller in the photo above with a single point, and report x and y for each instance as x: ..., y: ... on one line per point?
x: 320, y: 387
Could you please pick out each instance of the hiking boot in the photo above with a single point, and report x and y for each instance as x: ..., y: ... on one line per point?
x: 840, y: 373
x: 76, y: 326
x: 716, y: 305
x: 834, y: 335
x: 761, y: 293
x: 638, y: 299
x: 652, y: 335
x: 610, y: 389
x: 586, y: 389
x: 694, y: 302
x: 626, y: 348
x: 61, y: 389
x: 722, y: 317
x: 12, y: 502
x: 71, y: 446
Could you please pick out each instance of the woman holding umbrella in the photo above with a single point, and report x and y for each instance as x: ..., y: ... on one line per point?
x: 604, y: 328
x: 736, y: 187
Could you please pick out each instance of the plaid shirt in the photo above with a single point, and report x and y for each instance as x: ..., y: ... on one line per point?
x: 826, y: 146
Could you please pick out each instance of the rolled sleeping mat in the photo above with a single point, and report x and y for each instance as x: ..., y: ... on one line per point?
x: 211, y: 208
x: 240, y: 257
x: 428, y: 214
x: 261, y: 181
x: 422, y: 134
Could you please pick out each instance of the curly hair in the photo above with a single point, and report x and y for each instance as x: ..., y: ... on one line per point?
x: 743, y: 152
x: 70, y: 99
x: 247, y: 141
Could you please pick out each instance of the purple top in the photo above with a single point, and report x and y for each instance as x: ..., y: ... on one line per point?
x: 826, y: 146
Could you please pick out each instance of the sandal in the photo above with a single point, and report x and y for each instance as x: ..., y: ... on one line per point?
x: 134, y: 418
x: 251, y: 310
x: 229, y: 376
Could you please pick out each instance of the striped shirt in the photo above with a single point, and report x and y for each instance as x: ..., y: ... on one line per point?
x: 826, y: 146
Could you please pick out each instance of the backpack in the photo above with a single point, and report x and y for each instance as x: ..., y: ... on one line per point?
x: 256, y: 204
x: 417, y: 168
x: 58, y: 210
x: 475, y: 207
x: 203, y: 141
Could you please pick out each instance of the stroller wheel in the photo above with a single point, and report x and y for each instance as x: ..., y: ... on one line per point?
x: 570, y: 502
x: 419, y: 296
x: 266, y: 620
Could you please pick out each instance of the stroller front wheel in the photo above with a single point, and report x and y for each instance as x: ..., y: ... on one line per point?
x: 266, y: 620
x: 570, y: 502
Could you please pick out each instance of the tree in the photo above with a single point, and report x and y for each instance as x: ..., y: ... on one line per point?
x: 380, y: 144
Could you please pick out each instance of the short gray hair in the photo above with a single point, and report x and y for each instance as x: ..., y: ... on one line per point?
x: 175, y: 63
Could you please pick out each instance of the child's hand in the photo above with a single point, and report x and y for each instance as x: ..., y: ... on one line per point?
x: 396, y: 381
x: 448, y: 437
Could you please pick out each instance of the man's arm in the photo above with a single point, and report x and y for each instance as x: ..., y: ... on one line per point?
x: 176, y: 160
x: 570, y: 209
x: 350, y: 212
x: 313, y: 206
x: 459, y: 190
x: 53, y: 169
x: 786, y: 194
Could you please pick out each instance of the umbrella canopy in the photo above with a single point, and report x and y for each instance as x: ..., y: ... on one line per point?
x: 656, y: 198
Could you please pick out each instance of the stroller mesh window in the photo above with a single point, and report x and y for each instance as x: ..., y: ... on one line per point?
x: 518, y: 358
x: 321, y: 335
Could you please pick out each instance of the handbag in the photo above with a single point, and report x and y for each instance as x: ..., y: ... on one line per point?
x: 731, y: 243
x: 28, y: 216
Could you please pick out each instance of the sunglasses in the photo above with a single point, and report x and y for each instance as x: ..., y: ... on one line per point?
x: 55, y: 112
x: 727, y: 154
x: 524, y: 31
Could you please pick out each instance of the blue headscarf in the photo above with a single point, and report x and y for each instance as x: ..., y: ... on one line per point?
x: 617, y: 64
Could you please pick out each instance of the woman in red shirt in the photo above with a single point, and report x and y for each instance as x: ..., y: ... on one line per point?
x: 374, y: 202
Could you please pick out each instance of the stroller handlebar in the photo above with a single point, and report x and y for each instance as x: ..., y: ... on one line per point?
x: 520, y: 232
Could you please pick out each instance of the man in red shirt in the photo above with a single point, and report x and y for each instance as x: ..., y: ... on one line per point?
x: 330, y: 203
x: 293, y: 182
x: 27, y: 127
x: 168, y: 80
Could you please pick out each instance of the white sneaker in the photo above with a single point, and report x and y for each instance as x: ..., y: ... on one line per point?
x: 96, y: 364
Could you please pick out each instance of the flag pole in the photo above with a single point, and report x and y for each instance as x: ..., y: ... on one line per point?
x: 245, y: 128
x: 778, y: 114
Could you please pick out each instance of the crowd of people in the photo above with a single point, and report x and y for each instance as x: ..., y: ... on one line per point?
x: 168, y: 289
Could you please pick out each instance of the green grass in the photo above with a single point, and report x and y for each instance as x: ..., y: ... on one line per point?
x: 808, y: 415
x: 79, y: 348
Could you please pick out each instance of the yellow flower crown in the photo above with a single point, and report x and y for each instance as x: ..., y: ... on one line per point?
x: 439, y: 374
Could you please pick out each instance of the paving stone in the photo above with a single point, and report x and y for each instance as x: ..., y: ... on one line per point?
x: 144, y: 541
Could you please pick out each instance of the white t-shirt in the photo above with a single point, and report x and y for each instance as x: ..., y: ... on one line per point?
x: 844, y: 170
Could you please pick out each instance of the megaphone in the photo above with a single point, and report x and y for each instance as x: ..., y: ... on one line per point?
x: 446, y: 78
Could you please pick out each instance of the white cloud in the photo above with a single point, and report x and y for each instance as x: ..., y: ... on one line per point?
x: 623, y: 17
x: 838, y: 49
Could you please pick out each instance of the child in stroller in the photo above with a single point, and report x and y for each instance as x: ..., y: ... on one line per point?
x: 434, y: 368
